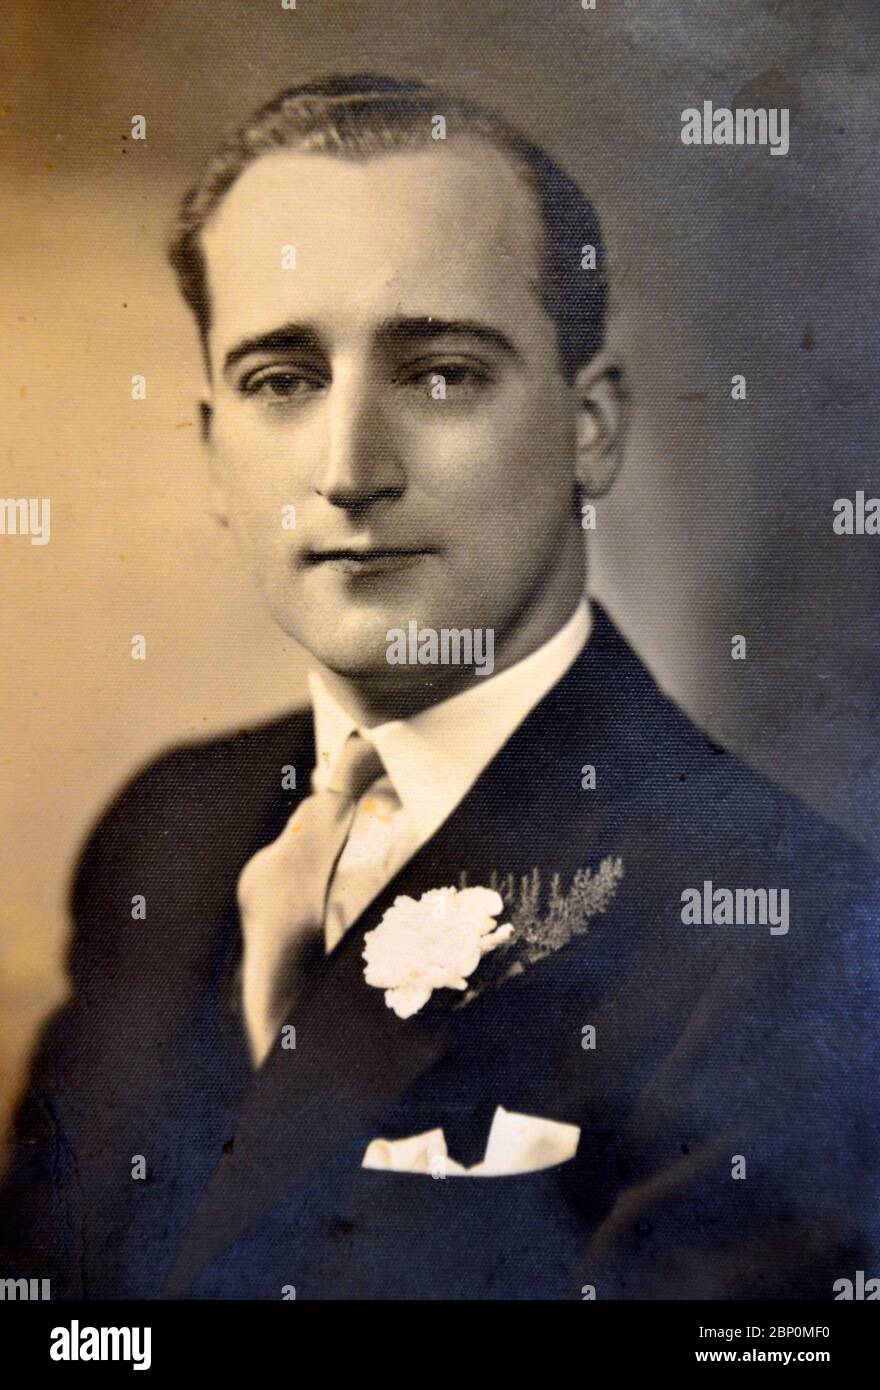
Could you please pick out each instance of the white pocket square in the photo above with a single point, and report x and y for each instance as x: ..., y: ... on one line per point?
x: 516, y: 1144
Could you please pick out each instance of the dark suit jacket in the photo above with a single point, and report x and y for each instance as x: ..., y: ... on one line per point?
x: 712, y: 1042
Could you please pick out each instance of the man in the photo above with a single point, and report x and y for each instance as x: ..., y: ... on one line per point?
x: 637, y: 1061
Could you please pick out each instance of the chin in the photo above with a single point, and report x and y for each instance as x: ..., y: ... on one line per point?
x: 361, y: 656
x: 361, y: 668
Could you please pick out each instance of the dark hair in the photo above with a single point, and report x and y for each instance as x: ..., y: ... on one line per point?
x: 363, y: 115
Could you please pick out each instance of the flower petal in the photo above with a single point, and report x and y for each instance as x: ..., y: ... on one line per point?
x: 406, y: 1000
x: 479, y: 900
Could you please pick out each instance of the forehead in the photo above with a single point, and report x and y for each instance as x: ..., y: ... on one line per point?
x: 452, y: 232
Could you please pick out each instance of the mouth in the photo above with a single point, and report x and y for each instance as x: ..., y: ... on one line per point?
x: 363, y: 561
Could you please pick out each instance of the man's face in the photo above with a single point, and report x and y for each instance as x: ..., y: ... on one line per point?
x: 346, y: 299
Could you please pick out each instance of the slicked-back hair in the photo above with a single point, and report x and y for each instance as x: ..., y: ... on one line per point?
x: 361, y: 116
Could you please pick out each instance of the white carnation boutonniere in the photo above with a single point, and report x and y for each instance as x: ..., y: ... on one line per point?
x: 436, y: 942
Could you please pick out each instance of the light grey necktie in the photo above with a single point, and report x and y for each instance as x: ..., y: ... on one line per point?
x: 282, y: 893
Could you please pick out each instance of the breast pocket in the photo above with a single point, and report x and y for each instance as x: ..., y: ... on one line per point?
x: 517, y: 1144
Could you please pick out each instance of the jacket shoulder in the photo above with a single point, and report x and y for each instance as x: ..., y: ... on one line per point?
x: 181, y: 825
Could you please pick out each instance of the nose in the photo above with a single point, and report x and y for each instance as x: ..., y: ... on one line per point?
x: 359, y: 465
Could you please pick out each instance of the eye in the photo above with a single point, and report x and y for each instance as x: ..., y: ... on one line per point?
x: 462, y: 379
x: 279, y: 385
x: 462, y: 374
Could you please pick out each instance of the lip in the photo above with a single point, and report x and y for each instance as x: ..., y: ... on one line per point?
x: 365, y: 560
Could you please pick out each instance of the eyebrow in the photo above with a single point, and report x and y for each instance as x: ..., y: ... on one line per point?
x: 295, y: 337
x: 290, y: 337
x: 426, y: 328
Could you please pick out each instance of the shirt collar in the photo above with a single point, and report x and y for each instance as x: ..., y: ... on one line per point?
x: 434, y: 757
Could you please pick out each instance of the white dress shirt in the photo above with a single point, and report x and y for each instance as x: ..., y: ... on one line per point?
x: 431, y: 761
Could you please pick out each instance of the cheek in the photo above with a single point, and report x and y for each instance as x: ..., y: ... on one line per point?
x: 518, y: 462
x: 253, y: 474
x: 253, y: 501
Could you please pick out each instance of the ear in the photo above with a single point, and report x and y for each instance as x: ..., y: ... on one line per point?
x: 602, y: 423
x: 217, y: 503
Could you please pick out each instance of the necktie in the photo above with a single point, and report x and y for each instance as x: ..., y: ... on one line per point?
x: 379, y: 839
x: 282, y: 894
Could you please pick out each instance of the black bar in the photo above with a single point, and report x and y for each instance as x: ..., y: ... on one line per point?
x: 257, y: 1339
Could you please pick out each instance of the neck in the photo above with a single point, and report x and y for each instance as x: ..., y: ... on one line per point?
x: 378, y: 698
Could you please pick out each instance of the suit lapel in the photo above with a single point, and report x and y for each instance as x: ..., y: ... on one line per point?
x: 353, y: 1057
x: 352, y: 1060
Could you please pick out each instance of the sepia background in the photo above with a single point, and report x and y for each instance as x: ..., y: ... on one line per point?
x: 723, y: 261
